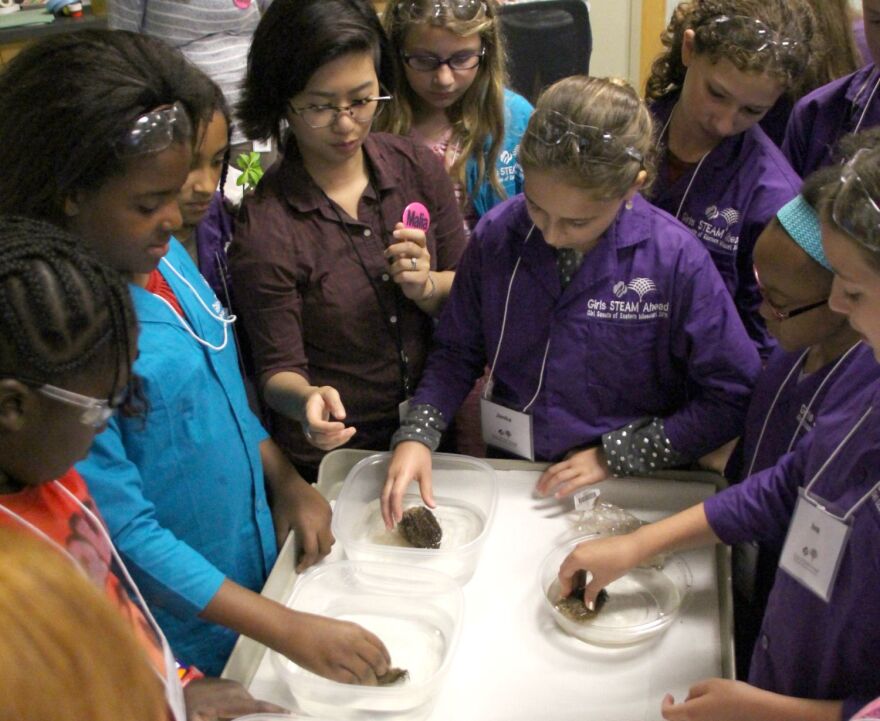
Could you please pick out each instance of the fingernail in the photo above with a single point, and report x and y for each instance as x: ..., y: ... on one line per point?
x: 591, y: 606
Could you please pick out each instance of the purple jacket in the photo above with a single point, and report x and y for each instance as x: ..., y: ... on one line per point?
x: 737, y: 190
x: 784, y: 428
x: 809, y: 648
x: 822, y: 117
x: 213, y: 235
x: 645, y: 328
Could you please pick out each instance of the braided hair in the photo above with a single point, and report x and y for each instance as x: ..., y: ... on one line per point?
x: 60, y: 307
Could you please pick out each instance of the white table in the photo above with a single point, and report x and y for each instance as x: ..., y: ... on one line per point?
x: 513, y: 663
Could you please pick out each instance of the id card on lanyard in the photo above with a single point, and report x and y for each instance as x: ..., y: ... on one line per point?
x: 817, y: 538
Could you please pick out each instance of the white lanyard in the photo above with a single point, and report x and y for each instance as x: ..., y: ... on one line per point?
x: 173, y: 687
x: 487, y: 390
x: 849, y: 514
x: 867, y: 104
x: 806, y: 410
x: 696, y: 170
x: 224, y: 321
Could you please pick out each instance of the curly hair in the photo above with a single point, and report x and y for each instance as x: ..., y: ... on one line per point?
x: 791, y: 19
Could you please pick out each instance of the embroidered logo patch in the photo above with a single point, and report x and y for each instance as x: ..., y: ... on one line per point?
x: 717, y: 229
x: 623, y: 306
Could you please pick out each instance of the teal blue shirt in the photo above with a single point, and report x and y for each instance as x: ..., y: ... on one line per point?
x: 182, y: 491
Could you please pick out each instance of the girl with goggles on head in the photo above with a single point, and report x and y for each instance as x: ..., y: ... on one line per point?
x: 726, y: 63
x: 200, y: 461
x: 818, y: 650
x: 337, y: 296
x: 847, y: 105
x: 450, y: 56
x: 608, y: 333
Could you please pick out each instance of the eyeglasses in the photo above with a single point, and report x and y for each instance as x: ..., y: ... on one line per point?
x: 154, y: 131
x: 96, y: 412
x: 427, y: 10
x: 780, y: 314
x: 752, y: 34
x: 593, y: 144
x: 429, y: 63
x: 361, y: 111
x: 853, y: 208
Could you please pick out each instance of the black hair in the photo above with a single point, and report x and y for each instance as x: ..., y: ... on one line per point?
x: 60, y: 307
x: 220, y: 105
x: 65, y: 101
x: 294, y: 39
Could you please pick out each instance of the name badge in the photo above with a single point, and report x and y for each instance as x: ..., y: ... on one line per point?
x: 403, y: 410
x: 814, y: 547
x: 507, y: 429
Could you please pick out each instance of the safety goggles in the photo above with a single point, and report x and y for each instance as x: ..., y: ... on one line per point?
x: 751, y: 34
x: 425, y: 63
x: 362, y: 111
x: 95, y: 412
x: 778, y: 312
x: 154, y: 131
x: 853, y: 209
x: 428, y: 10
x: 593, y: 145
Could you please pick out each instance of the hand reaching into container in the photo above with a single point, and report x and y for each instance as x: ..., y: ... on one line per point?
x: 411, y: 462
x: 605, y: 559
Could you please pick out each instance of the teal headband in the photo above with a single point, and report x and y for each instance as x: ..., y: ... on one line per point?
x: 801, y: 222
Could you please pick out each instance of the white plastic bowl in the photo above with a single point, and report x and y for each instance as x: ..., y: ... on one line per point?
x: 641, y: 604
x: 417, y: 613
x: 466, y: 492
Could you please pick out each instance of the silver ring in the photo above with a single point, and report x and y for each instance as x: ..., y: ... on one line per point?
x: 308, y: 434
x: 414, y: 263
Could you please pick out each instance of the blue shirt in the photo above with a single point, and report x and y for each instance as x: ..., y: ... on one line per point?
x: 182, y: 490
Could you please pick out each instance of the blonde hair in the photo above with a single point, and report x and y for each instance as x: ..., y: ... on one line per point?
x: 841, y: 55
x: 478, y: 117
x: 65, y: 653
x: 792, y: 19
x: 613, y: 106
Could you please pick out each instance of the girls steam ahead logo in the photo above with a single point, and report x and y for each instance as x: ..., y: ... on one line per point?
x: 629, y: 309
x: 641, y: 286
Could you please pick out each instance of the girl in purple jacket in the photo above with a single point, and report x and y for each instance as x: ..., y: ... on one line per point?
x: 611, y: 341
x: 819, y: 648
x: 726, y: 64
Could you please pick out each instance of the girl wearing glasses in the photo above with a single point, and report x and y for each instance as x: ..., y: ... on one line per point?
x: 843, y: 106
x: 819, y: 647
x: 726, y: 64
x: 450, y: 55
x: 198, y: 470
x: 590, y: 307
x: 336, y: 294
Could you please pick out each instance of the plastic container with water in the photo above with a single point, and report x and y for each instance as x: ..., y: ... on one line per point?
x: 416, y: 612
x: 641, y: 604
x: 466, y: 492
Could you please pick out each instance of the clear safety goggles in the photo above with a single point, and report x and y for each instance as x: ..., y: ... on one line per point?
x: 154, y: 131
x: 751, y: 34
x: 433, y: 10
x: 592, y: 144
x: 853, y: 209
x: 95, y: 412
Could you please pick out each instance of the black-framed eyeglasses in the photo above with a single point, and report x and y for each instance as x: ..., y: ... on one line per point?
x: 427, y: 63
x: 155, y: 131
x: 362, y: 111
x: 428, y: 10
x: 593, y: 144
x: 779, y: 313
x: 752, y: 34
x: 859, y: 216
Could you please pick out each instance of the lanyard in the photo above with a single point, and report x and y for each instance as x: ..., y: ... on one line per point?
x: 696, y: 170
x: 173, y: 689
x: 489, y: 383
x: 816, y: 501
x: 803, y: 418
x: 393, y: 328
x: 867, y: 103
x: 223, y: 320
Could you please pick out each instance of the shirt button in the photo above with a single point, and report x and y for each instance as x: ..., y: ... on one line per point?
x: 393, y: 319
x: 765, y: 642
x: 386, y: 277
x: 367, y: 232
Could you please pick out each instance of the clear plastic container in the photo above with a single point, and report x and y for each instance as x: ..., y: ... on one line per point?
x: 466, y: 492
x: 416, y: 612
x: 641, y: 604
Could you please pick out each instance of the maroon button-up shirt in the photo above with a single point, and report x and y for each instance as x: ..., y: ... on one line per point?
x: 308, y: 305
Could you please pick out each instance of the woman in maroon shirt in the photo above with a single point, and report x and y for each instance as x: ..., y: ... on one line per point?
x: 336, y: 294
